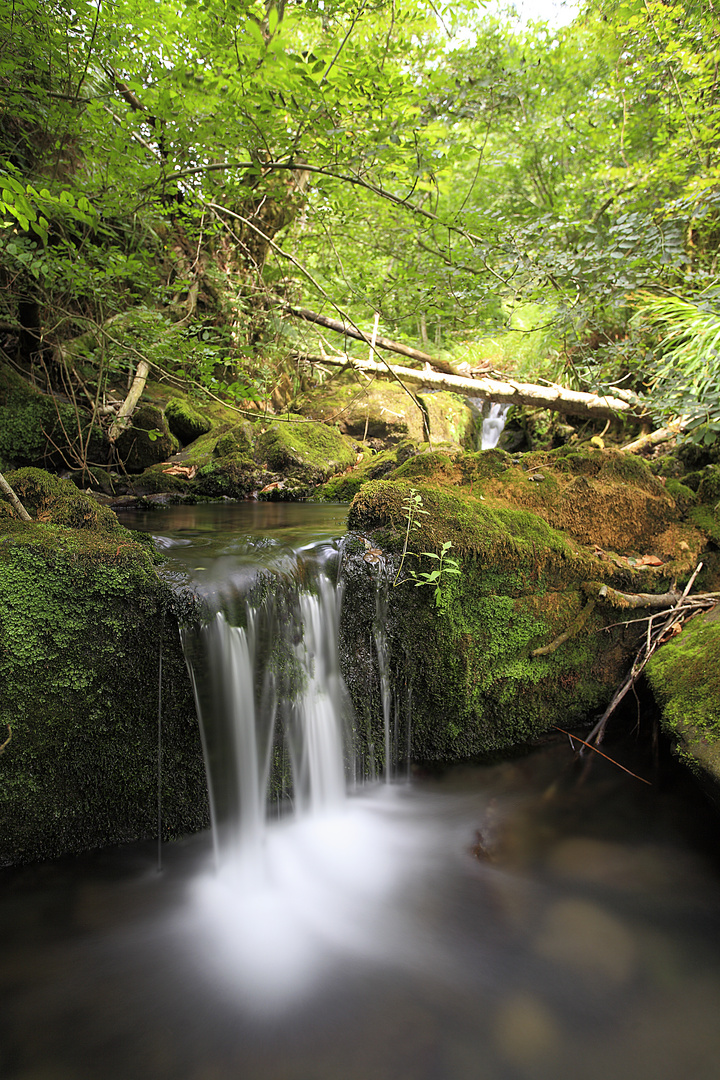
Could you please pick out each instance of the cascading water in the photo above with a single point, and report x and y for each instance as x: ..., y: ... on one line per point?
x: 271, y: 698
x: 493, y: 425
x: 277, y: 724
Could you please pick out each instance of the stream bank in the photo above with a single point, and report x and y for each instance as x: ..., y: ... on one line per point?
x: 533, y: 632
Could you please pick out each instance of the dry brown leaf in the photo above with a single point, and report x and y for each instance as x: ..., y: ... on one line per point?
x: 188, y: 471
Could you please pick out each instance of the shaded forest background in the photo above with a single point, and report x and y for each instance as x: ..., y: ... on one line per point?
x: 175, y: 176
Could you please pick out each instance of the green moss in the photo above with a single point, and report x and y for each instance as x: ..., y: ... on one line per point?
x: 236, y: 441
x: 472, y: 526
x: 685, y: 677
x: 684, y: 496
x: 484, y: 464
x: 230, y: 477
x: 473, y: 686
x: 371, y: 467
x: 708, y: 520
x: 33, y: 424
x: 709, y: 488
x: 304, y: 449
x: 429, y: 465
x: 52, y: 500
x: 476, y: 686
x: 148, y: 441
x: 82, y: 617
x: 185, y: 421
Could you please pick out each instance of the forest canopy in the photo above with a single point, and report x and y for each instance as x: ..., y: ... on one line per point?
x: 175, y: 176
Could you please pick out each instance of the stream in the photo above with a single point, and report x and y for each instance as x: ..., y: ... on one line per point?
x: 504, y: 921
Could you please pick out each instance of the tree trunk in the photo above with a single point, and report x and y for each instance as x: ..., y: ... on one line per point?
x: 122, y: 421
x: 504, y: 392
x: 8, y: 491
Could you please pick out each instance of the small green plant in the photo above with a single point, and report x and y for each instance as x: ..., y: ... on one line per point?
x: 412, y: 507
x: 446, y: 565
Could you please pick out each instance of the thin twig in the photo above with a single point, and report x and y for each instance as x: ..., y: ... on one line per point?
x: 607, y: 758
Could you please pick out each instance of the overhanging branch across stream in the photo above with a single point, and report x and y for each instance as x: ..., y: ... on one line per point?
x: 503, y: 391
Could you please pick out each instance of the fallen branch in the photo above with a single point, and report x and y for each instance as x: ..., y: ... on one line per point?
x: 632, y: 600
x: 678, y: 614
x: 353, y: 332
x: 653, y: 438
x: 10, y: 494
x: 122, y: 420
x: 3, y: 745
x: 503, y: 391
x: 607, y: 758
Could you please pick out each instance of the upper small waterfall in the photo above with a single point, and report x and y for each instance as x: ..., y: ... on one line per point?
x: 273, y: 707
x: 493, y: 424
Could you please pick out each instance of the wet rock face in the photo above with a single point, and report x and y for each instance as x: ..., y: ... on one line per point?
x: 83, y: 616
x: 147, y: 441
x: 514, y: 644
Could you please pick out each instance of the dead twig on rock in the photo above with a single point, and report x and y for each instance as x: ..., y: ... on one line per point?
x: 14, y: 501
x: 670, y: 622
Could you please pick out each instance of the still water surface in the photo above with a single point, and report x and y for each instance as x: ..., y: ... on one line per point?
x: 495, y: 922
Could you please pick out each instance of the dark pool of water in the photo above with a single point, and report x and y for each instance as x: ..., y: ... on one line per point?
x: 580, y: 940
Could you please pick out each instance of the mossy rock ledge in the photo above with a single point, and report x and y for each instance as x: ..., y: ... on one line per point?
x: 685, y: 678
x: 83, y: 617
x: 536, y: 540
x: 264, y: 458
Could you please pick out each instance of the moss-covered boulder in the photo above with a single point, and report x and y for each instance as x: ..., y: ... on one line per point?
x: 298, y: 448
x: 384, y: 414
x: 54, y: 501
x: 237, y: 439
x: 84, y: 618
x: 371, y: 466
x: 33, y: 425
x: 685, y: 677
x: 147, y: 441
x: 380, y: 411
x: 185, y: 421
x: 267, y: 458
x: 524, y: 636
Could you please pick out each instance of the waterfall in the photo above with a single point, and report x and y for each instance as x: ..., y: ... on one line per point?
x: 382, y: 651
x: 493, y: 424
x: 308, y: 880
x: 273, y: 710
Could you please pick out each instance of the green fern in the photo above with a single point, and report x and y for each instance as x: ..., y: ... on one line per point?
x: 685, y: 373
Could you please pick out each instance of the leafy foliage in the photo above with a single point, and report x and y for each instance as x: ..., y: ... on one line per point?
x: 209, y: 160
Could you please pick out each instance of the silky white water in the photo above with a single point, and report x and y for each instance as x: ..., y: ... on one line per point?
x: 297, y: 882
